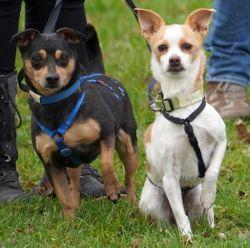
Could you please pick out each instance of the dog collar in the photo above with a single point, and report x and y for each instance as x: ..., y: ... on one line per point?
x: 45, y: 100
x: 171, y: 104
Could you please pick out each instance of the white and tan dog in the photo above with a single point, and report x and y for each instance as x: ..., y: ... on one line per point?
x: 178, y: 63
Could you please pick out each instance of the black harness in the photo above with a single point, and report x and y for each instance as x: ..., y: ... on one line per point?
x: 186, y: 123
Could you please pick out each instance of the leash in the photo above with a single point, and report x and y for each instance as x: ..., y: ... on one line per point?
x: 53, y: 17
x: 58, y: 134
x: 133, y: 7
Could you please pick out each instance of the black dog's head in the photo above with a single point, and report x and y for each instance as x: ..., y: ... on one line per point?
x: 49, y: 60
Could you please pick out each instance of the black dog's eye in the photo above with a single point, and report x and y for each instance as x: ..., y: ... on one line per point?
x: 162, y: 48
x: 63, y: 61
x: 187, y: 46
x: 37, y: 62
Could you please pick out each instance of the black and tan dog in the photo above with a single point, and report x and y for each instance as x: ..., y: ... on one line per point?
x: 103, y: 121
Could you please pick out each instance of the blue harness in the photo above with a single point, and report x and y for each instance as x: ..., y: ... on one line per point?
x: 58, y: 134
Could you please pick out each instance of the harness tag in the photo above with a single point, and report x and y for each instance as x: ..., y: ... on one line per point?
x: 66, y: 152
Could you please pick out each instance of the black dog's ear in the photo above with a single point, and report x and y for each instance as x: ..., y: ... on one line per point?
x: 71, y: 36
x: 24, y: 38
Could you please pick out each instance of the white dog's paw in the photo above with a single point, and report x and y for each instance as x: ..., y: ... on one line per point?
x: 186, y: 233
x: 208, y: 197
x: 187, y: 238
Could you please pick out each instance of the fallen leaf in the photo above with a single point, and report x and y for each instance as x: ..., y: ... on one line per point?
x: 244, y: 234
x: 242, y: 194
x: 241, y: 129
x: 135, y: 243
x: 206, y: 235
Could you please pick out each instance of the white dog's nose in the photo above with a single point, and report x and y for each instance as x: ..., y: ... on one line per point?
x: 174, y: 61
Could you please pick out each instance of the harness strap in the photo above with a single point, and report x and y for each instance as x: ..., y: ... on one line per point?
x: 190, y: 133
x: 45, y: 100
x: 58, y: 134
x: 184, y: 190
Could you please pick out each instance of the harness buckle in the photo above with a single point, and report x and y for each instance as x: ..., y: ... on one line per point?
x: 168, y: 105
x: 66, y: 152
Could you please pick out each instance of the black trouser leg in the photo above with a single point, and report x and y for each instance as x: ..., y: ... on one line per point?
x: 9, y: 181
x: 9, y: 17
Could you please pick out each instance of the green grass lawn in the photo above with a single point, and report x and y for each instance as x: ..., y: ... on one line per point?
x: 39, y: 223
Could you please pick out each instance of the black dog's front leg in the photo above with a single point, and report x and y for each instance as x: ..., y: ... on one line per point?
x: 47, y: 150
x: 59, y: 181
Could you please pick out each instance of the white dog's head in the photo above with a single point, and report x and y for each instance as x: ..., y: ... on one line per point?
x: 177, y: 50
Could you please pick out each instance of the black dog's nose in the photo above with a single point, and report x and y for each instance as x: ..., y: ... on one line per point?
x: 52, y: 78
x: 175, y: 61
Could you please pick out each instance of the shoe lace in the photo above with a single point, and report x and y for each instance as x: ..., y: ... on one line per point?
x: 6, y: 98
x: 87, y: 170
x: 4, y: 169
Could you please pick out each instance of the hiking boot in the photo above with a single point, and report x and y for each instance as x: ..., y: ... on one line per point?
x: 10, y: 187
x: 229, y: 99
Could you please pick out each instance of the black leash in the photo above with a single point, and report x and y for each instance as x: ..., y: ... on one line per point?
x: 132, y: 7
x: 51, y: 23
x: 186, y: 123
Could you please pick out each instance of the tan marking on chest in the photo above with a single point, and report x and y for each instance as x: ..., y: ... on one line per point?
x: 147, y: 134
x: 45, y: 146
x: 82, y: 133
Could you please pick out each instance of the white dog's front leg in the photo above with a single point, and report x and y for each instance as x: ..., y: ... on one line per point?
x: 173, y: 192
x: 209, y: 186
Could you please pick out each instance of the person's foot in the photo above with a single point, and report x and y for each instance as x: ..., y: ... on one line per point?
x: 10, y: 188
x: 229, y: 99
x: 91, y: 185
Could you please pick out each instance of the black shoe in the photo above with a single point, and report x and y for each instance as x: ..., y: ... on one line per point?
x: 10, y: 188
x: 91, y: 183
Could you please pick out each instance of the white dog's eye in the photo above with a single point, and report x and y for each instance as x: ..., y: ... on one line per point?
x: 186, y: 46
x: 162, y: 48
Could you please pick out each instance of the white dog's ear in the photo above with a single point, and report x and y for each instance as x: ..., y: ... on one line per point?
x: 149, y: 21
x: 200, y: 19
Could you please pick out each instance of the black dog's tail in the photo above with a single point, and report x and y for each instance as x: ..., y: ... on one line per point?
x: 93, y: 50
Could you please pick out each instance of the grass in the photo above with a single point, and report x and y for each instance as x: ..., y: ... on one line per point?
x: 38, y: 222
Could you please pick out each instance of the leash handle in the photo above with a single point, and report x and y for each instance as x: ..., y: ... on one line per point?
x: 51, y: 23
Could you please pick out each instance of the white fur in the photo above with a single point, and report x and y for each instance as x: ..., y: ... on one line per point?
x: 172, y: 160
